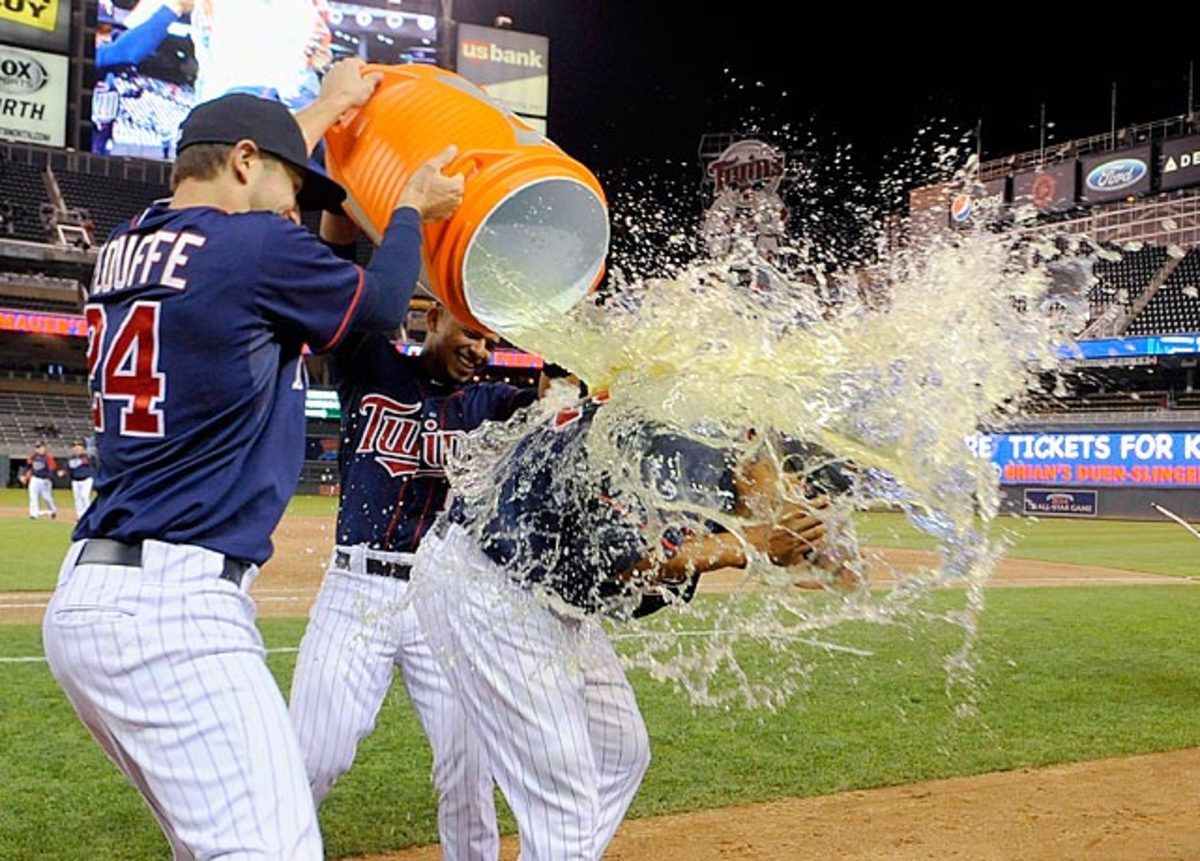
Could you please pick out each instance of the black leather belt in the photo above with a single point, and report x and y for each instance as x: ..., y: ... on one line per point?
x: 395, y: 570
x: 106, y: 551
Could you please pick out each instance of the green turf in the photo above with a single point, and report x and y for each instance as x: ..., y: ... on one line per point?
x: 1157, y: 548
x: 37, y: 548
x: 324, y: 506
x: 1066, y: 674
x: 33, y: 549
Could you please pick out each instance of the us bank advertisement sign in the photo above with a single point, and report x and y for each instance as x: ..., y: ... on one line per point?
x: 513, y: 68
x: 33, y: 96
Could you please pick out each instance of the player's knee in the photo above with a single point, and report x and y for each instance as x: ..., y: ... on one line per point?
x: 637, y: 750
x: 323, y: 764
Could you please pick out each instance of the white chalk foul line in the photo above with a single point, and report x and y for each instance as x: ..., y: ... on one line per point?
x: 41, y: 659
x: 829, y: 647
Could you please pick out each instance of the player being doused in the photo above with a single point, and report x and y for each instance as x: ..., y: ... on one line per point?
x: 584, y: 515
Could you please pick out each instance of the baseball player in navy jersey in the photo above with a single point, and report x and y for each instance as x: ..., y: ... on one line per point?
x: 39, y: 477
x: 403, y: 416
x: 509, y: 599
x: 79, y: 465
x: 197, y: 314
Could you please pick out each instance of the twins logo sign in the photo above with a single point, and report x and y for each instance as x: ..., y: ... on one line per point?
x: 748, y: 166
x: 1061, y: 503
x: 403, y: 443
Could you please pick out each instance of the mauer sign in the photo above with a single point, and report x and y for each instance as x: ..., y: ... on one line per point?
x: 44, y: 24
x: 514, y: 68
x: 1115, y: 175
x: 1060, y: 502
x: 1049, y: 190
x: 1179, y: 162
x: 33, y: 96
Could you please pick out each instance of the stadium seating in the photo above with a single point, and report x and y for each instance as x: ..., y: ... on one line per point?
x: 1175, y: 308
x: 1123, y: 276
x: 22, y: 192
x: 1106, y: 402
x: 1187, y: 401
x: 25, y: 418
x: 107, y: 200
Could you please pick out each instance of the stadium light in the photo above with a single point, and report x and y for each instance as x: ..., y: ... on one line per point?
x: 426, y: 22
x: 395, y: 20
x: 364, y: 18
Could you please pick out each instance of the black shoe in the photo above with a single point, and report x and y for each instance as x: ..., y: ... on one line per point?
x: 54, y: 515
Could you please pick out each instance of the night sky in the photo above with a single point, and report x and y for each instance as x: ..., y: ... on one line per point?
x: 636, y: 83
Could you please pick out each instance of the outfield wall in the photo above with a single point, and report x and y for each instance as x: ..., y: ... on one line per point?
x: 1114, y: 503
x: 1116, y: 470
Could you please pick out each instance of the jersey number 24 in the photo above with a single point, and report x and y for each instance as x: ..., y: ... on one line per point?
x: 127, y: 370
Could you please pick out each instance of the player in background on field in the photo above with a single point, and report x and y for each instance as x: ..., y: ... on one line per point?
x: 39, y: 477
x: 82, y: 472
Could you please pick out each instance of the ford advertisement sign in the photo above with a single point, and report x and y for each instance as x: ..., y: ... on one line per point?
x: 1116, y: 175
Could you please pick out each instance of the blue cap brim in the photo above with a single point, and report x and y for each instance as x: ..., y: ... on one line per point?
x: 319, y: 192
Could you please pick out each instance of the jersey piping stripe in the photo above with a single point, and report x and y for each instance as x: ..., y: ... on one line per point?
x: 387, y: 535
x: 420, y: 530
x: 358, y: 291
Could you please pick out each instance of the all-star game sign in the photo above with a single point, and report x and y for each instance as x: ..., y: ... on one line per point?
x: 746, y: 179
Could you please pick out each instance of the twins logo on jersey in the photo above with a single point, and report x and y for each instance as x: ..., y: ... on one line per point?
x: 403, y: 443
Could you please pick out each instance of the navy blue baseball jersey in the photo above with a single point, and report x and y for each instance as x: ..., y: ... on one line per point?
x: 561, y: 522
x: 42, y: 465
x: 399, y: 427
x: 196, y: 322
x: 80, y: 466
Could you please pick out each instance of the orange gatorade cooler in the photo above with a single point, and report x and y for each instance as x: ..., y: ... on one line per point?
x: 531, y: 236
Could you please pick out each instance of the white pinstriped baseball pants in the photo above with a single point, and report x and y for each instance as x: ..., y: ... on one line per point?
x: 166, y: 669
x: 360, y: 629
x: 41, y: 489
x: 81, y: 491
x: 546, y: 693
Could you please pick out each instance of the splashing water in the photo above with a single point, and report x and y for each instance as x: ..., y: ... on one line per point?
x: 931, y: 345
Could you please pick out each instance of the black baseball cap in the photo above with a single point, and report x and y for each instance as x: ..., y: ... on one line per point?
x: 241, y: 116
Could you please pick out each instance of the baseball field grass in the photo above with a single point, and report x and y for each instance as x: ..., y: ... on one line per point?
x: 1065, y: 674
x: 37, y: 548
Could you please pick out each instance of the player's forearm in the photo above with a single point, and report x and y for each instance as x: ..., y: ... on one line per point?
x: 138, y: 43
x: 319, y: 117
x: 337, y: 229
x: 390, y: 279
x: 704, y: 553
x: 339, y: 235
